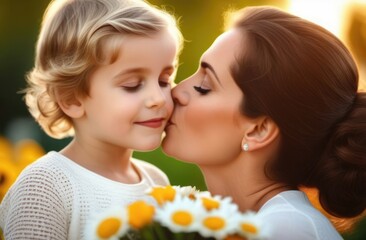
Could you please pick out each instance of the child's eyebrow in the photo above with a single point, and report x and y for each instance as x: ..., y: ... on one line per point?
x: 129, y: 71
x: 169, y: 68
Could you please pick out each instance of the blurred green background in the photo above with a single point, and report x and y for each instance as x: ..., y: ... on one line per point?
x: 201, y: 22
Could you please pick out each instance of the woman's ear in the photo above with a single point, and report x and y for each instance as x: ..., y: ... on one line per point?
x: 261, y: 133
x: 70, y: 105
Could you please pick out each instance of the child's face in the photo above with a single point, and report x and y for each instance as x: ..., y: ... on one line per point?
x: 130, y: 102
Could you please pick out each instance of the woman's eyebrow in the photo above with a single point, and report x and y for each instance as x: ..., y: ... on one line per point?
x: 206, y: 65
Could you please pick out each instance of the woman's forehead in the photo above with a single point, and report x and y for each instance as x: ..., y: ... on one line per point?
x: 225, y: 45
x: 223, y: 52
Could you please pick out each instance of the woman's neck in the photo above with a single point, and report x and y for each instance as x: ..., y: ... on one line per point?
x: 248, y: 187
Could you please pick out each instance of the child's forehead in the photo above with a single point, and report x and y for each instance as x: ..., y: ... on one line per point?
x: 142, y: 55
x: 130, y: 46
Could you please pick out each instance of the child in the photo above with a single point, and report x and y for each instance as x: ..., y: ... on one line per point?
x: 102, y: 74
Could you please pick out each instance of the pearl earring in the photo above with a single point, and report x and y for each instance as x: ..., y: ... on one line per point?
x: 245, y: 147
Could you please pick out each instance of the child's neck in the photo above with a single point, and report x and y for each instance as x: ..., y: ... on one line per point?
x: 112, y: 163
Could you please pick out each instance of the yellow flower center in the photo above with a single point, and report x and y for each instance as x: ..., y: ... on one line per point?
x: 192, y: 196
x: 108, y: 227
x: 210, y: 203
x: 214, y: 223
x: 2, y: 178
x: 182, y: 218
x: 140, y: 214
x: 234, y: 237
x: 163, y: 194
x: 249, y: 228
x: 8, y: 174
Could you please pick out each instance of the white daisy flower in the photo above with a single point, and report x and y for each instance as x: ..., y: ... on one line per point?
x: 203, y: 194
x: 186, y: 191
x: 110, y: 224
x: 218, y: 223
x: 218, y: 202
x: 181, y: 215
x: 252, y: 226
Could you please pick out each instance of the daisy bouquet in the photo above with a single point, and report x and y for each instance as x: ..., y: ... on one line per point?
x: 180, y: 213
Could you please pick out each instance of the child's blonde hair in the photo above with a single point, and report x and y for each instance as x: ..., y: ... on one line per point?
x: 75, y: 37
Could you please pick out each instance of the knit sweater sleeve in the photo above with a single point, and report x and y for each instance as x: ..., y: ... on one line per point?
x: 34, y: 207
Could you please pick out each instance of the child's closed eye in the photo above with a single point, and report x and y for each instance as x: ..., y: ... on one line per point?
x: 133, y: 87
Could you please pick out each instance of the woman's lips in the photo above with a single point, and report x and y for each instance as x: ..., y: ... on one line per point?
x: 152, y: 123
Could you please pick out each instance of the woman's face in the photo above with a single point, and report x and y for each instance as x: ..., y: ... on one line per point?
x: 207, y: 126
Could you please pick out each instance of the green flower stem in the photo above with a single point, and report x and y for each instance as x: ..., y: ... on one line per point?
x: 124, y: 238
x: 179, y: 236
x: 159, y: 231
x: 190, y: 236
x: 147, y: 234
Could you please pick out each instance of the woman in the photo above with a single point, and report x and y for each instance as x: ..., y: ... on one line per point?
x: 274, y: 106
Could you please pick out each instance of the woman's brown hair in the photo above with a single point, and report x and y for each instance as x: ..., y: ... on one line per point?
x: 304, y: 78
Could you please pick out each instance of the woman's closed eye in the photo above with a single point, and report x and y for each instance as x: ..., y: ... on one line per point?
x: 205, y: 86
x: 201, y: 90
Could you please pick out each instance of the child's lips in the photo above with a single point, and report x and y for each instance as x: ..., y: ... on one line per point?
x: 152, y: 123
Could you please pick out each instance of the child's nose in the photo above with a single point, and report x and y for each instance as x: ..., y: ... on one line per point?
x: 157, y: 98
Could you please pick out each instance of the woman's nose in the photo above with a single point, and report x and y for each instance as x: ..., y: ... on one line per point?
x: 180, y: 94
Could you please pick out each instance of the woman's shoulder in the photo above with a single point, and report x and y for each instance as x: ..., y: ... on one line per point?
x: 292, y: 216
x: 152, y: 172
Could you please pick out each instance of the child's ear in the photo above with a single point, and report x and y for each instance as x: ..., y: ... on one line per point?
x: 71, y: 105
x: 261, y: 133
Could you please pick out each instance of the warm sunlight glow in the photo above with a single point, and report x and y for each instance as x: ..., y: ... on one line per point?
x: 344, y: 18
x: 328, y: 14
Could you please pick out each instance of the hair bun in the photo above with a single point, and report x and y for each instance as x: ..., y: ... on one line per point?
x: 341, y: 178
x: 350, y: 135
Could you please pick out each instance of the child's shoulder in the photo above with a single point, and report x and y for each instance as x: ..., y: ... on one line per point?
x: 48, y: 163
x: 151, y: 171
x: 47, y: 170
x: 43, y: 179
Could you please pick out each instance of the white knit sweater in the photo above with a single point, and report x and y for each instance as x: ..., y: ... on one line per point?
x: 54, y: 197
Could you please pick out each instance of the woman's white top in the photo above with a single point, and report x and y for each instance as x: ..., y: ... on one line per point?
x: 290, y: 216
x: 54, y: 197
